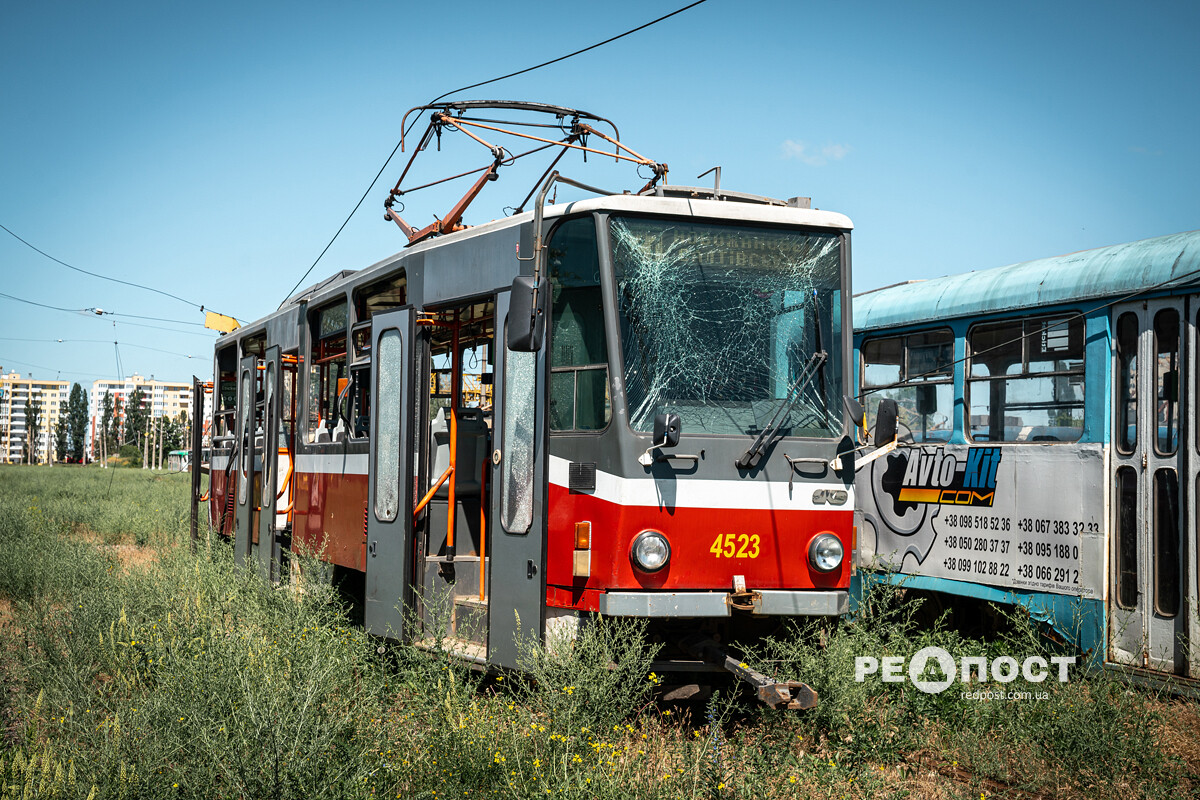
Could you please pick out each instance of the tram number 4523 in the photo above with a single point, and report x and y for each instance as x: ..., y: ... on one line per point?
x: 734, y: 545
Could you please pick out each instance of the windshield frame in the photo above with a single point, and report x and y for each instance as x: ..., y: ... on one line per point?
x: 837, y: 351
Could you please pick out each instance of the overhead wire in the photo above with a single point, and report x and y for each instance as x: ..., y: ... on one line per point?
x: 96, y: 312
x: 444, y: 95
x: 5, y: 361
x: 98, y: 341
x: 135, y: 285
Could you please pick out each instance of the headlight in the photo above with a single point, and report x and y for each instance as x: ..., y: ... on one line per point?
x: 651, y: 551
x: 825, y: 553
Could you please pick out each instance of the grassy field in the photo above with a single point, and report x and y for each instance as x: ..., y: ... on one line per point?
x: 131, y: 667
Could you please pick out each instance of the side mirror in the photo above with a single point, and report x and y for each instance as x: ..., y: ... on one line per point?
x: 854, y: 409
x: 926, y: 399
x: 527, y: 314
x: 666, y: 430
x: 885, y: 422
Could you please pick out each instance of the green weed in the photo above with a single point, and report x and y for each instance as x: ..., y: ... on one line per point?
x: 132, y: 667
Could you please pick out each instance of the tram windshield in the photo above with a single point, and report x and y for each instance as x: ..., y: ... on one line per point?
x: 720, y: 324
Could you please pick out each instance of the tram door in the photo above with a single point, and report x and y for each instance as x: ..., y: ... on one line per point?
x: 390, y: 495
x: 267, y: 544
x: 518, y: 581
x: 246, y: 455
x: 1152, y: 594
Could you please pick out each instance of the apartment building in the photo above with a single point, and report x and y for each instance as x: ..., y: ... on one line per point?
x: 15, y: 393
x: 162, y: 399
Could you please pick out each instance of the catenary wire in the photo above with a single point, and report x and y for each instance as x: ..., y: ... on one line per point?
x: 92, y: 312
x: 98, y: 341
x: 37, y: 249
x: 404, y: 132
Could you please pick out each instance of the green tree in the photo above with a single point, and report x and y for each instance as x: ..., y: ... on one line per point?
x: 60, y: 438
x: 135, y: 417
x: 33, y: 428
x: 107, y: 423
x: 77, y: 422
x: 176, y: 434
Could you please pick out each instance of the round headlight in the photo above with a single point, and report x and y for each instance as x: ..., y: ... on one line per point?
x: 825, y: 553
x: 650, y: 551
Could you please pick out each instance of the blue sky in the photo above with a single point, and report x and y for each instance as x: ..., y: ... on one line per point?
x: 212, y: 150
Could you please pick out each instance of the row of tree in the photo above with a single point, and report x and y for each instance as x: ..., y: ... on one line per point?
x: 70, y: 434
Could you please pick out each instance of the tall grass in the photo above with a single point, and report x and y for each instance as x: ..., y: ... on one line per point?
x: 176, y: 674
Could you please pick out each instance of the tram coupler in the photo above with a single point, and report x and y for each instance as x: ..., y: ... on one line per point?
x: 789, y: 695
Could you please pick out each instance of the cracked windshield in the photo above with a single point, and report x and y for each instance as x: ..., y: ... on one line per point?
x: 721, y: 323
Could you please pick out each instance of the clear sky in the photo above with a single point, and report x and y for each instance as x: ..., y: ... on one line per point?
x: 211, y: 150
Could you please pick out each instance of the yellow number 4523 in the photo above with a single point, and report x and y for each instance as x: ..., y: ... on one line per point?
x: 735, y: 545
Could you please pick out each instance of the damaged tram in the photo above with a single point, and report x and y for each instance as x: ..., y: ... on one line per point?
x: 629, y: 405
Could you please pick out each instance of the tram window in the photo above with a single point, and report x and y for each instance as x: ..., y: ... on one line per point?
x: 288, y: 423
x: 1166, y: 379
x: 516, y: 499
x: 579, y: 397
x: 327, y: 377
x: 391, y: 411
x: 358, y: 402
x: 381, y: 296
x: 1166, y: 542
x: 917, y: 371
x: 1127, y: 372
x: 1026, y: 380
x: 226, y: 394
x: 255, y: 345
x: 720, y: 323
x: 1127, y: 537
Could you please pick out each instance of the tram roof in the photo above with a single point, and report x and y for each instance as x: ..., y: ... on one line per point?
x: 733, y: 209
x: 1113, y: 271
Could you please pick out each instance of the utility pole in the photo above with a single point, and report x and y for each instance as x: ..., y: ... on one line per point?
x: 146, y: 446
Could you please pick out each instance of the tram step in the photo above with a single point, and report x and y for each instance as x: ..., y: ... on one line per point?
x: 474, y: 652
x: 470, y: 619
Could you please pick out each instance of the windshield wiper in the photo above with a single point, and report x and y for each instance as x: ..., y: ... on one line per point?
x: 750, y: 458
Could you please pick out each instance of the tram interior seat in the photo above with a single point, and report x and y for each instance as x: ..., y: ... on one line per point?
x: 340, y: 431
x: 472, y: 450
x: 321, y: 436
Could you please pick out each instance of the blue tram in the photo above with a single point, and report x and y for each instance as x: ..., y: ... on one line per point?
x: 1049, y: 452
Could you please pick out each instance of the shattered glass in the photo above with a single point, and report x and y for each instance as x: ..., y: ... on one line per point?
x: 390, y: 370
x: 718, y: 321
x: 516, y: 500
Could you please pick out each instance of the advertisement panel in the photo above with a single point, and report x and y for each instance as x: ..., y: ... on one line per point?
x: 1029, y: 518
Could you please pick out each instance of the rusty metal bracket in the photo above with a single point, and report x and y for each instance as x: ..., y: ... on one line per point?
x: 789, y: 695
x: 744, y: 600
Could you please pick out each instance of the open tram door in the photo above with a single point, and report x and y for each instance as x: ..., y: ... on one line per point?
x: 518, y: 472
x: 267, y: 543
x: 1153, y: 594
x: 389, y: 527
x: 246, y: 455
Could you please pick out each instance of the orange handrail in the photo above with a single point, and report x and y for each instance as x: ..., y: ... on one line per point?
x: 429, y: 495
x: 285, y: 483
